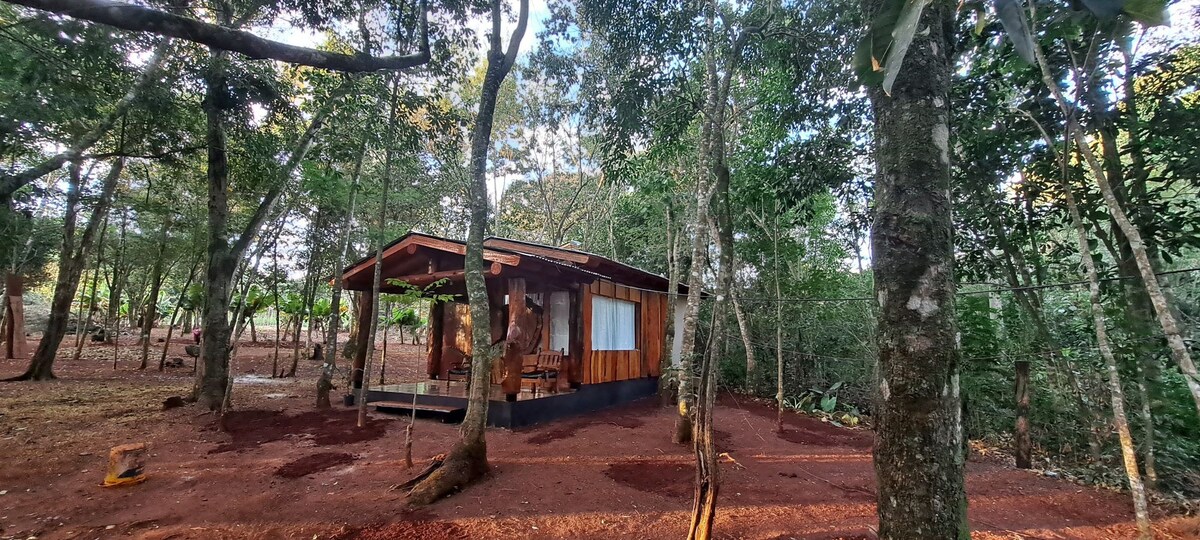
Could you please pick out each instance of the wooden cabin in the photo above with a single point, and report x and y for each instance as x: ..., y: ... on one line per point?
x: 597, y: 325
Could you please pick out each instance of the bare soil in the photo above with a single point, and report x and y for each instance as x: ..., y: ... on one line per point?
x: 278, y: 468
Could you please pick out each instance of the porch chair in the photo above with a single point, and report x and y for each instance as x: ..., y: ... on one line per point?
x: 460, y: 371
x: 544, y: 370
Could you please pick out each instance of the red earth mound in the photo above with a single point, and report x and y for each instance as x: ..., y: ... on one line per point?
x: 313, y: 464
x: 253, y: 428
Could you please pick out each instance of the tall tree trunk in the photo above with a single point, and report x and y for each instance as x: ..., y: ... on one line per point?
x: 212, y: 375
x: 325, y: 381
x: 70, y: 268
x: 212, y: 379
x: 667, y: 383
x: 467, y: 460
x: 380, y: 243
x: 778, y: 324
x: 1128, y: 451
x: 81, y: 330
x: 919, y: 446
x: 156, y: 278
x: 1162, y: 308
x: 275, y: 277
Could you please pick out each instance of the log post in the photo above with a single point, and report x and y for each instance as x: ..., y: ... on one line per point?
x: 1023, y: 450
x: 577, y: 353
x: 434, y: 350
x: 361, y: 347
x: 515, y: 337
x: 14, y: 320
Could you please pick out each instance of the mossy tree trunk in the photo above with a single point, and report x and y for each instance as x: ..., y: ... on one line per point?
x: 467, y: 460
x: 919, y: 447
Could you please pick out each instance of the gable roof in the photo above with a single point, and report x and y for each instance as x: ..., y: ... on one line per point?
x: 509, y: 252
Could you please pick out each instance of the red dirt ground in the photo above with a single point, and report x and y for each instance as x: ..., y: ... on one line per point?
x: 607, y: 475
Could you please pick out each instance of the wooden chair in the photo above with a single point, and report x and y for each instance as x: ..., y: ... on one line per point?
x: 460, y: 371
x: 542, y: 368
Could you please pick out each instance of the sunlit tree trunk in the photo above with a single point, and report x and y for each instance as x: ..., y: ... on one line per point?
x: 1128, y: 451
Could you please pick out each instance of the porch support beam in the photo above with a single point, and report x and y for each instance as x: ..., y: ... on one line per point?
x: 433, y: 364
x: 360, y: 347
x: 514, y: 338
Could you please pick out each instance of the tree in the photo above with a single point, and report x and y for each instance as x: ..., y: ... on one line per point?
x: 467, y: 460
x: 919, y: 446
x: 72, y: 260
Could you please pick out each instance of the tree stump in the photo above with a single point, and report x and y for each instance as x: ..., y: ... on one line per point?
x: 126, y: 465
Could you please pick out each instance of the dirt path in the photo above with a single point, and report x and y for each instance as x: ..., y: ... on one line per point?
x: 279, y: 469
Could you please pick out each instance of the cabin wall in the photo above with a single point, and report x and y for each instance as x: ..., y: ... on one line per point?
x: 644, y: 361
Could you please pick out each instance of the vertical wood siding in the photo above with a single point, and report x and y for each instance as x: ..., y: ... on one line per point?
x: 608, y: 366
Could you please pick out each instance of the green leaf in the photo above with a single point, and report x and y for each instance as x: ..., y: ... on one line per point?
x: 1147, y: 12
x: 1105, y: 9
x: 864, y: 63
x: 902, y: 36
x: 1012, y: 17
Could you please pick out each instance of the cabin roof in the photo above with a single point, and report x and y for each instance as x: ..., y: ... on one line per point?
x: 580, y: 265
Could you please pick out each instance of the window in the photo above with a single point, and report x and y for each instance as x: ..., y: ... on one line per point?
x: 613, y: 324
x: 560, y: 320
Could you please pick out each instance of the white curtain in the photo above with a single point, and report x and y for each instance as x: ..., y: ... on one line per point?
x: 613, y: 324
x: 560, y: 320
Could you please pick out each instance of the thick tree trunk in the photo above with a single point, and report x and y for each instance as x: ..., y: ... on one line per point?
x: 467, y: 461
x: 70, y: 269
x: 919, y: 446
x: 212, y: 379
x: 212, y: 375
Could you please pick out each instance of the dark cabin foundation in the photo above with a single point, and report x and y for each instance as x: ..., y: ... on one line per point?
x: 447, y: 401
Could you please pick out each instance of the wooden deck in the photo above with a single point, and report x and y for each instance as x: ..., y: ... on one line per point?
x: 458, y: 389
x: 448, y: 400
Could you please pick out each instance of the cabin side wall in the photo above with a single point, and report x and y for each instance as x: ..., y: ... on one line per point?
x: 601, y: 366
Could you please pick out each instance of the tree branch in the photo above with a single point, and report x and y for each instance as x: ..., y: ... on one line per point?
x: 514, y: 43
x: 142, y: 19
x: 10, y: 183
x: 303, y: 144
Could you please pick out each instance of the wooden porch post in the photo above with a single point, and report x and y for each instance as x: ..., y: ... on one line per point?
x: 515, y: 337
x: 360, y: 348
x: 577, y: 356
x: 434, y: 351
